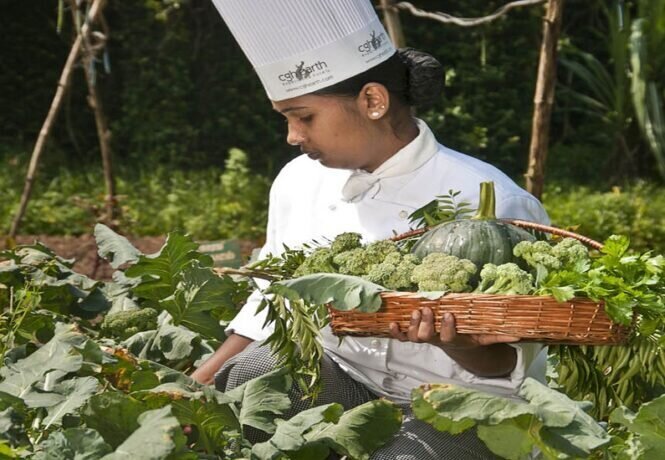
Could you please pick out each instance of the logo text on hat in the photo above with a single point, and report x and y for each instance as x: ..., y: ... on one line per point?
x: 302, y: 72
x: 373, y: 43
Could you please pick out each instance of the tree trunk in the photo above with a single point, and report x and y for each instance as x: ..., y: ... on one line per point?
x: 544, y: 98
x: 393, y: 24
x: 63, y: 86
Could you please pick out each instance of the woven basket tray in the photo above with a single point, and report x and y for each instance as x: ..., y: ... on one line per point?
x: 533, y: 318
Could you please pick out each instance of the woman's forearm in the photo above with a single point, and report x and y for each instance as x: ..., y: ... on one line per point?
x: 233, y: 345
x: 489, y: 361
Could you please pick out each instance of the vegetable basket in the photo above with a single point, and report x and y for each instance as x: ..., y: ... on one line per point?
x: 579, y: 321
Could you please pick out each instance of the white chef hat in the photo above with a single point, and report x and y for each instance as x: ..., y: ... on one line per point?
x: 300, y: 46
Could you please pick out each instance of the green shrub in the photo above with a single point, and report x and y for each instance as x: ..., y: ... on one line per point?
x: 636, y: 211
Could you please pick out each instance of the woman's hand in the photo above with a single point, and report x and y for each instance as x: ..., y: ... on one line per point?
x: 485, y: 355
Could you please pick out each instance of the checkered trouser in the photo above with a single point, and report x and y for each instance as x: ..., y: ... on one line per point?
x: 416, y: 440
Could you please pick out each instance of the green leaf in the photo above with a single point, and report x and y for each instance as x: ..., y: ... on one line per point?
x: 73, y: 443
x: 197, y: 296
x: 114, y: 247
x: 76, y: 392
x: 343, y: 292
x: 113, y: 415
x: 507, y: 438
x: 160, y: 273
x: 212, y: 420
x: 262, y: 399
x: 648, y: 424
x: 550, y: 420
x: 52, y: 361
x: 159, y: 435
x: 312, y: 433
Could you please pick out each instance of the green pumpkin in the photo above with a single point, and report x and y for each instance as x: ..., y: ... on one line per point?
x: 481, y: 239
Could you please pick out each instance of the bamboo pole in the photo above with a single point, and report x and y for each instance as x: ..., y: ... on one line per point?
x: 63, y: 86
x: 103, y: 131
x: 544, y: 98
x: 393, y: 23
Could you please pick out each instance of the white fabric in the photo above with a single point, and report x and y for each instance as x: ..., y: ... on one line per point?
x: 306, y: 204
x: 300, y: 46
x: 420, y: 151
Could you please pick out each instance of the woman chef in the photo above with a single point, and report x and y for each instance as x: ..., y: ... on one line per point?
x: 330, y: 69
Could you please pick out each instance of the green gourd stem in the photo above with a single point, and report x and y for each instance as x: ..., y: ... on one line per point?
x: 487, y: 203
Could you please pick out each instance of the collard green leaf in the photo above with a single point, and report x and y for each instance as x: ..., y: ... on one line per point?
x: 52, y: 361
x: 76, y: 393
x: 114, y: 247
x: 507, y: 438
x: 262, y: 399
x: 114, y: 415
x: 72, y: 443
x: 198, y: 296
x: 159, y: 435
x: 361, y: 430
x: 160, y: 273
x: 550, y: 420
x: 211, y: 419
x: 311, y: 434
x: 648, y: 424
x: 343, y: 292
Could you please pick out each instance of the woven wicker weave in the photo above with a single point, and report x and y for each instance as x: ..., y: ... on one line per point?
x: 533, y: 318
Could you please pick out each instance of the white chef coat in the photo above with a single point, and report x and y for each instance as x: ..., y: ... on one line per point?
x: 306, y: 204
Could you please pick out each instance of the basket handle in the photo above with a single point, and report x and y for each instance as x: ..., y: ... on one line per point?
x: 523, y: 224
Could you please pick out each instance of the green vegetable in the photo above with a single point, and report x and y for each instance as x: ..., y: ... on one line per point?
x: 358, y: 261
x: 505, y: 279
x: 124, y: 324
x: 481, y: 239
x: 345, y: 242
x: 394, y: 272
x: 442, y: 272
x: 319, y: 261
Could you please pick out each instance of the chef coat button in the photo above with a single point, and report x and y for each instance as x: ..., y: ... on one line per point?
x: 375, y: 344
x: 332, y: 207
x: 403, y: 214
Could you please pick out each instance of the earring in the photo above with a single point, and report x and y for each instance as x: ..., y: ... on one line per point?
x: 375, y: 114
x: 382, y: 107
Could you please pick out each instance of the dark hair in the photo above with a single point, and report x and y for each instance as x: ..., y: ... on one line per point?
x: 412, y: 77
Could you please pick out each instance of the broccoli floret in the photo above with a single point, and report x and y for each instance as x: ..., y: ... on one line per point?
x: 379, y: 250
x: 394, y: 272
x: 124, y: 324
x: 537, y: 254
x: 570, y: 252
x: 443, y: 272
x: 345, y: 242
x: 319, y: 261
x: 505, y: 279
x: 353, y: 262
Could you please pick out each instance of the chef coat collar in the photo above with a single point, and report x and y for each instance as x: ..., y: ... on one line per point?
x: 407, y: 160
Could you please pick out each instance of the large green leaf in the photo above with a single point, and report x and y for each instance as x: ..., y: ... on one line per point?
x: 343, y: 292
x: 159, y: 436
x: 160, y: 273
x: 200, y: 293
x: 72, y: 444
x: 548, y: 420
x: 311, y: 434
x: 648, y: 424
x: 115, y: 248
x: 114, y: 415
x: 76, y: 393
x: 210, y: 418
x: 48, y: 364
x: 262, y: 399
